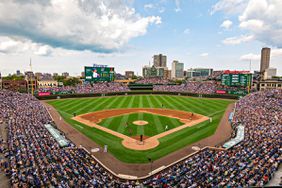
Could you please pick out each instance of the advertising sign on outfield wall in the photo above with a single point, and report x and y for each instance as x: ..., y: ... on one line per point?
x: 220, y: 91
x: 44, y: 94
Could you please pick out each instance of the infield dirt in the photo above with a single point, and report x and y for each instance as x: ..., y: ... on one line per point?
x: 93, y: 118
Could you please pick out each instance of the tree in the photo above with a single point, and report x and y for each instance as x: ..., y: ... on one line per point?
x: 13, y: 77
x: 71, y: 81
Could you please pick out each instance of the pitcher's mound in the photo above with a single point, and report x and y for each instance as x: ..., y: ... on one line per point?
x: 140, y: 122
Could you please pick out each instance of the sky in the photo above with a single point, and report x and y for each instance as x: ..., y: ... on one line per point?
x: 66, y: 35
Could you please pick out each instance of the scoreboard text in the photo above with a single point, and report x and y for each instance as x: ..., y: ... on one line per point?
x: 243, y: 80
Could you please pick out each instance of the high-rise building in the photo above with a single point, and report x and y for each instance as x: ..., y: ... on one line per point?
x: 161, y: 72
x: 199, y: 72
x: 167, y: 74
x: 55, y: 74
x: 129, y: 74
x: 269, y: 73
x: 18, y: 73
x: 65, y: 74
x: 264, y: 60
x: 160, y: 60
x: 150, y: 72
x: 38, y: 75
x: 177, y: 70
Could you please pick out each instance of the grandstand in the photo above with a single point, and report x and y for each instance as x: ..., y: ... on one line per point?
x: 250, y: 162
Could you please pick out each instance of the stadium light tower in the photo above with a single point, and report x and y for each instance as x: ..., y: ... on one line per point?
x: 31, y: 79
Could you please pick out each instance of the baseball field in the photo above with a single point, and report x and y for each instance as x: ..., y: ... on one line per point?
x: 172, y: 121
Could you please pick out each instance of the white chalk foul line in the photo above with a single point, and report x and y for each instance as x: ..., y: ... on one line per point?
x: 79, y: 126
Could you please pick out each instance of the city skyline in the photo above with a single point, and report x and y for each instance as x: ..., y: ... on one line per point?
x: 224, y: 34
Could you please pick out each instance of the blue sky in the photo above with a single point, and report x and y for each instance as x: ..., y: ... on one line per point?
x: 65, y: 35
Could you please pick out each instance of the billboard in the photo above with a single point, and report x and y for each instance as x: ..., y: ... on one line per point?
x: 99, y: 73
x: 220, y: 91
x: 239, y: 92
x: 44, y: 94
x: 243, y: 80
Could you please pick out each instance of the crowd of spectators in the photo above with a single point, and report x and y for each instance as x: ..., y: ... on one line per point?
x: 207, y: 87
x: 101, y: 87
x: 36, y: 159
x: 216, y: 75
x: 153, y: 81
x: 250, y: 163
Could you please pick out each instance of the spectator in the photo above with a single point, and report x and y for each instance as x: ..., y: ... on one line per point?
x: 36, y: 159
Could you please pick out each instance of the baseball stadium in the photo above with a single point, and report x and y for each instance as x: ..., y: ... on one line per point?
x: 147, y: 133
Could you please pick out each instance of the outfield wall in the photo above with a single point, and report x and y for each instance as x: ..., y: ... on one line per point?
x: 225, y: 96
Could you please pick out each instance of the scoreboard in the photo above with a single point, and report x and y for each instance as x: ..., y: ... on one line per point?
x: 99, y: 73
x: 242, y: 80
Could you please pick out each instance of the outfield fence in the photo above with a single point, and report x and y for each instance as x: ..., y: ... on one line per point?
x: 225, y: 96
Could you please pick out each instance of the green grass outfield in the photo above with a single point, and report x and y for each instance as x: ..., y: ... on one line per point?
x: 209, y: 107
x: 124, y: 123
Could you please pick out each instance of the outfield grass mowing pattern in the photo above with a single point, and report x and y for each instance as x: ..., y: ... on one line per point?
x: 209, y: 107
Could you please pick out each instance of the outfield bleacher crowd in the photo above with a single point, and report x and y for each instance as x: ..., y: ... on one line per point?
x: 101, y: 87
x: 207, y: 87
x: 153, y: 81
x: 35, y: 159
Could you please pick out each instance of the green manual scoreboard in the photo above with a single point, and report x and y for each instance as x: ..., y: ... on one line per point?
x: 99, y: 73
x: 243, y: 80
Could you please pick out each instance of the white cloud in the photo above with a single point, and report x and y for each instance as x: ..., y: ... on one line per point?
x: 204, y: 54
x: 260, y: 18
x: 263, y: 19
x: 226, y: 24
x: 252, y: 24
x: 229, y: 6
x: 238, y: 40
x: 148, y: 6
x: 186, y: 31
x: 43, y: 50
x: 15, y: 46
x: 161, y: 10
x: 177, y: 4
x: 276, y: 52
x: 97, y: 25
x: 250, y: 56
